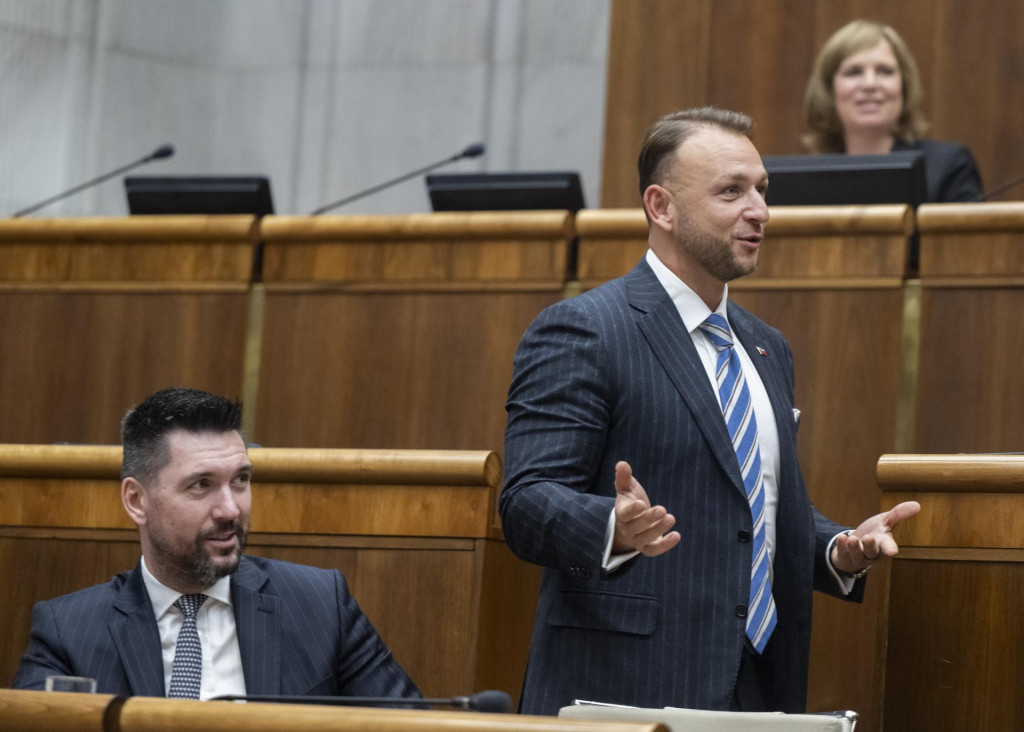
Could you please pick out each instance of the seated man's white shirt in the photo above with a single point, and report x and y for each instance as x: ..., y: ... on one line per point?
x: 215, y: 623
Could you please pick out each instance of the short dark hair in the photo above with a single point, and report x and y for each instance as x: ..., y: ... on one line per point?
x: 668, y: 133
x: 145, y: 426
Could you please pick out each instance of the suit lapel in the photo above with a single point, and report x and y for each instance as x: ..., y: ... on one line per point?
x: 258, y: 623
x: 137, y: 639
x: 673, y: 347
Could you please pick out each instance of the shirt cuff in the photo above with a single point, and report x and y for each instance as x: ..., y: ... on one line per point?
x: 610, y: 563
x: 845, y: 584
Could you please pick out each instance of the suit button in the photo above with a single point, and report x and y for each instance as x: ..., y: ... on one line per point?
x: 743, y: 536
x: 741, y: 611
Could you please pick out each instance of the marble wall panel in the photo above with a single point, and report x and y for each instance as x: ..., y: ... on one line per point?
x: 325, y: 96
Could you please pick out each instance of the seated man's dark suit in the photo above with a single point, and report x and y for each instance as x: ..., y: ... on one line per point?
x: 300, y: 632
x: 614, y: 375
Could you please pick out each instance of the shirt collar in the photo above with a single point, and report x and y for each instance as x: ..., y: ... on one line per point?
x: 163, y: 597
x: 691, y: 308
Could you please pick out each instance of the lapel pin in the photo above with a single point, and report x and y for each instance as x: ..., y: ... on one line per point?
x: 762, y: 351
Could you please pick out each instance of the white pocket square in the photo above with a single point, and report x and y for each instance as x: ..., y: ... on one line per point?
x: 796, y: 416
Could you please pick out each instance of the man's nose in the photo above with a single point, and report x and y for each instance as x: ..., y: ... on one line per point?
x: 226, y: 506
x: 757, y: 211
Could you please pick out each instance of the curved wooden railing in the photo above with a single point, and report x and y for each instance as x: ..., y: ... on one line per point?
x: 521, y: 246
x: 366, y: 492
x: 34, y: 711
x: 192, y: 249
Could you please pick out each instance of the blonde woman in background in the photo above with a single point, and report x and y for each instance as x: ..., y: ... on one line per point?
x: 864, y: 97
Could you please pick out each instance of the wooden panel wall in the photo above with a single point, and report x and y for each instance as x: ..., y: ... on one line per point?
x: 666, y: 55
x: 831, y: 280
x: 97, y: 313
x: 970, y: 391
x: 400, y: 331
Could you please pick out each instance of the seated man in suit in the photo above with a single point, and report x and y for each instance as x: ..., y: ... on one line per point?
x: 196, y: 618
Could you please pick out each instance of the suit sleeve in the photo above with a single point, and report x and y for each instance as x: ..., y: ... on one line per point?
x: 559, y: 411
x: 367, y: 667
x: 44, y: 656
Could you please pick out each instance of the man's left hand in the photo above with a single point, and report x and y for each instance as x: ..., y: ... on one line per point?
x: 872, y: 540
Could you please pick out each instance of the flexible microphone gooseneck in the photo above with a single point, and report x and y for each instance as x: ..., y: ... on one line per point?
x: 472, y: 151
x: 490, y: 700
x: 998, y: 189
x: 164, y: 151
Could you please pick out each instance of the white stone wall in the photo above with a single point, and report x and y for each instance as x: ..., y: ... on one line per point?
x: 326, y: 97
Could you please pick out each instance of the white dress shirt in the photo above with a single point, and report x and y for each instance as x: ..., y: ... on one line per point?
x: 215, y: 623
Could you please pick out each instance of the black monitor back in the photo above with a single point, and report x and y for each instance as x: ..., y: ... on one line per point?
x: 838, y: 179
x: 559, y: 190
x: 199, y: 194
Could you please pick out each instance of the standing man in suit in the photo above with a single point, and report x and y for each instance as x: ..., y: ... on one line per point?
x: 196, y: 618
x: 688, y: 584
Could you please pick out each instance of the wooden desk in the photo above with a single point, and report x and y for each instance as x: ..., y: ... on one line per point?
x: 38, y: 711
x: 970, y: 389
x: 140, y: 714
x: 955, y: 656
x: 830, y: 278
x: 97, y: 313
x: 413, y: 532
x: 399, y: 331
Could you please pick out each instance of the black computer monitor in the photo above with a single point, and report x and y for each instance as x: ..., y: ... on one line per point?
x: 199, y: 194
x: 837, y: 179
x: 505, y: 191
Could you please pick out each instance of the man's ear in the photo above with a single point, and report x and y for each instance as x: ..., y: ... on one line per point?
x: 134, y: 500
x: 660, y: 210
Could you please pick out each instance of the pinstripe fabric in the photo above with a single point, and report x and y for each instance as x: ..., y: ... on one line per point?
x: 299, y: 632
x: 613, y: 375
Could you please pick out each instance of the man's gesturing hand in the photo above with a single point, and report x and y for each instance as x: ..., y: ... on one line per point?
x: 639, y: 526
x: 872, y: 540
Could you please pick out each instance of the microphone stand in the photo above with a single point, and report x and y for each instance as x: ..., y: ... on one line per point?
x: 164, y: 151
x: 474, y: 150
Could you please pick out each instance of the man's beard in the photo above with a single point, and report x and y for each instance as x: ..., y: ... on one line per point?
x: 195, y: 566
x: 713, y: 254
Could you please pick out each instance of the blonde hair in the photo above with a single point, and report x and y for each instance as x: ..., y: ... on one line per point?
x: 824, y: 130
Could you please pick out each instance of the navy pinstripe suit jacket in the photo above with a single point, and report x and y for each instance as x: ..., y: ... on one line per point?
x: 300, y: 632
x: 613, y: 375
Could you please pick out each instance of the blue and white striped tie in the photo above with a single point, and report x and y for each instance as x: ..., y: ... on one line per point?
x: 738, y: 410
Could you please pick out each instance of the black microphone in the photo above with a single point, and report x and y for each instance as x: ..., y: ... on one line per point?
x: 164, y: 151
x: 472, y: 151
x: 999, y: 189
x: 490, y: 700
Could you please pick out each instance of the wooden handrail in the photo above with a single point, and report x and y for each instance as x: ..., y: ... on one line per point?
x: 984, y: 473
x: 277, y: 464
x: 882, y: 219
x: 138, y: 228
x: 141, y: 714
x: 445, y: 225
x: 39, y: 711
x: 989, y: 217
